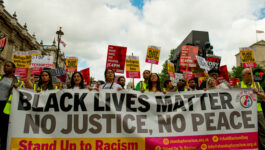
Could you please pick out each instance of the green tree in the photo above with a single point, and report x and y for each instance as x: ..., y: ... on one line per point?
x: 92, y: 79
x: 236, y: 72
x: 164, y: 73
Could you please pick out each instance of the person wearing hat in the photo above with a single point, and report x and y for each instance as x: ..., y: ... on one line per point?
x: 211, y: 74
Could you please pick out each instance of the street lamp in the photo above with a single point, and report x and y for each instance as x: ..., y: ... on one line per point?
x: 59, y: 33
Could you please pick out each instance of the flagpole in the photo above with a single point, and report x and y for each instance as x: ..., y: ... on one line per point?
x: 133, y: 78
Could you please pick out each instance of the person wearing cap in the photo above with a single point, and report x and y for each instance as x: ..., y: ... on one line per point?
x: 212, y: 73
x: 257, y: 89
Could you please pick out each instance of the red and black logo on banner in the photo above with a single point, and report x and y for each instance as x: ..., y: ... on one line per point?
x: 2, y: 42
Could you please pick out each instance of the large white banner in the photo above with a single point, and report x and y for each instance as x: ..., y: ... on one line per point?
x: 131, y: 120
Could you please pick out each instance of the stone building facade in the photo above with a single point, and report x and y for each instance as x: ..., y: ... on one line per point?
x: 259, y: 53
x: 19, y: 39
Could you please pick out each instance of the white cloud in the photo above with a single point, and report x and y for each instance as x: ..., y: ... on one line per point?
x: 90, y: 26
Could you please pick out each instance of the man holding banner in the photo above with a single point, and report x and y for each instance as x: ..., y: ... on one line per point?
x: 143, y: 84
x: 247, y: 83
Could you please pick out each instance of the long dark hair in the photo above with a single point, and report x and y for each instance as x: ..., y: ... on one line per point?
x: 81, y: 84
x: 150, y: 83
x: 49, y: 85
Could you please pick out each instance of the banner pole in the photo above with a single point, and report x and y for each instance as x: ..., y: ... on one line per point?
x: 186, y: 73
x: 151, y: 68
x: 133, y: 78
x: 186, y: 76
x: 252, y: 77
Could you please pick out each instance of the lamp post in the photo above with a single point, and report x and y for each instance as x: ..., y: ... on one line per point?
x: 59, y: 33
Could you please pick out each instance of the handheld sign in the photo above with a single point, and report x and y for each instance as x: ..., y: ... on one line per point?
x: 258, y: 75
x: 132, y: 67
x: 59, y: 73
x: 224, y: 76
x: 202, y: 63
x: 71, y: 64
x: 188, y: 56
x: 171, y: 69
x: 2, y: 43
x: 187, y: 75
x: 153, y: 54
x: 247, y: 57
x: 86, y: 76
x: 213, y: 62
x: 233, y: 81
x: 197, y: 72
x: 22, y: 60
x: 178, y: 76
x: 116, y: 58
x: 41, y: 61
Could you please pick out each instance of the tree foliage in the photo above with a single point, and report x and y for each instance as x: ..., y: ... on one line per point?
x: 92, y: 79
x: 164, y: 73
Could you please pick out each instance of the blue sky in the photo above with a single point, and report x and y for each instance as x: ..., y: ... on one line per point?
x: 262, y: 14
x: 138, y: 3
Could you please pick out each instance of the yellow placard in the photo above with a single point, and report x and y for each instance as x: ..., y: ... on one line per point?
x: 153, y: 53
x: 171, y: 68
x: 22, y: 60
x: 247, y: 56
x: 132, y: 65
x: 71, y: 63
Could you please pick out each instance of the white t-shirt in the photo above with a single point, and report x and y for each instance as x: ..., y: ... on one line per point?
x: 110, y: 86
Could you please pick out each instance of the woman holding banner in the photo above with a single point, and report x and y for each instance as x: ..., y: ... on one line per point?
x: 211, y: 84
x: 77, y: 81
x: 7, y: 82
x: 45, y: 82
x: 109, y: 78
x: 153, y: 83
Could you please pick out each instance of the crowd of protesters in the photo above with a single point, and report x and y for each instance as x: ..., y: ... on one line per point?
x: 151, y: 83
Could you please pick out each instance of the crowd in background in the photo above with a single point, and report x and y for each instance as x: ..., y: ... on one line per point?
x: 151, y: 83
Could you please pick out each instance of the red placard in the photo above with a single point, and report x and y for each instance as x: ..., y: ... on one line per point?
x: 223, y: 74
x: 188, y: 75
x: 116, y: 78
x: 188, y: 55
x: 86, y: 76
x: 213, y: 61
x: 2, y: 42
x: 22, y: 72
x: 116, y: 58
x: 233, y: 81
